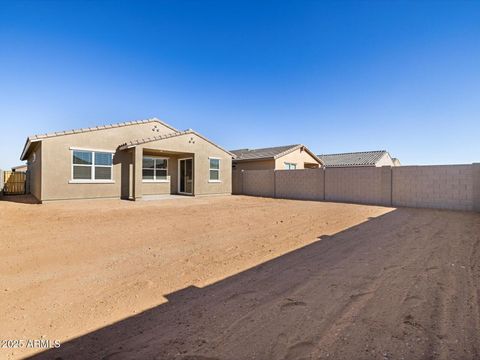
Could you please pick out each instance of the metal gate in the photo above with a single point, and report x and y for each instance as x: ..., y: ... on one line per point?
x: 14, y: 182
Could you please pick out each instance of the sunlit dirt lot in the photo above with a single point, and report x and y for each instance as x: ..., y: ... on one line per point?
x: 237, y: 277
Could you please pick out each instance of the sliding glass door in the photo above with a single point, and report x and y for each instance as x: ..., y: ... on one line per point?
x: 185, y: 176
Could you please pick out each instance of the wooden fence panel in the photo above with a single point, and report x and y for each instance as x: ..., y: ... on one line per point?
x: 14, y: 182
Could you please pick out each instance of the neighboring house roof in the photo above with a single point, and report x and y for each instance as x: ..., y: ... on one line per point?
x: 35, y: 138
x: 270, y: 153
x: 134, y: 143
x: 23, y: 166
x: 363, y: 158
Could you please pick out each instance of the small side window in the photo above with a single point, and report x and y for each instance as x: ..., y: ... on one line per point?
x: 214, y: 169
x: 290, y: 166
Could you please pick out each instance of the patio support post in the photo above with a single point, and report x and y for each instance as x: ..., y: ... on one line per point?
x: 137, y: 175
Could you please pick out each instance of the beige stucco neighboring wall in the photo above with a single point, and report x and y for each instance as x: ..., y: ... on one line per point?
x: 299, y: 157
x: 385, y: 160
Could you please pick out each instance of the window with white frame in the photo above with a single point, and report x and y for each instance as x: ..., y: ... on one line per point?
x: 290, y: 166
x: 155, y: 169
x: 214, y: 169
x: 92, y: 165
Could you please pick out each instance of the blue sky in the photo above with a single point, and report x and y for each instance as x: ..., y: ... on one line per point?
x: 335, y: 76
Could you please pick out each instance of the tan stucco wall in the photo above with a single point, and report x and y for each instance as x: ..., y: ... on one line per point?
x: 35, y: 171
x: 385, y: 160
x: 298, y: 157
x: 201, y: 150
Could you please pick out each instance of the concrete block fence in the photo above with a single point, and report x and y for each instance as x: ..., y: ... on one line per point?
x: 455, y: 187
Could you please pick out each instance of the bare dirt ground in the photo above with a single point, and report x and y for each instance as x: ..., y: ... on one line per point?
x: 239, y: 278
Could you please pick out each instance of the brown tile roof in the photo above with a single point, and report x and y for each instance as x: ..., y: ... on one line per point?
x: 264, y: 153
x: 269, y: 153
x: 101, y: 127
x: 40, y: 137
x: 133, y: 143
x: 362, y: 158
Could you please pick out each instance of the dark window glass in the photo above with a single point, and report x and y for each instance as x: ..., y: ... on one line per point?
x: 103, y: 158
x: 103, y: 173
x: 82, y: 157
x: 82, y: 172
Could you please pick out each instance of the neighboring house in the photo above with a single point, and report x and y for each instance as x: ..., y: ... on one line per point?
x: 125, y: 160
x: 288, y: 157
x: 20, y: 168
x: 363, y: 158
x: 396, y: 162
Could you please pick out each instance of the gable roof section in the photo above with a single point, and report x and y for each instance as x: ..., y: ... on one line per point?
x: 40, y: 137
x: 270, y: 153
x: 363, y: 158
x: 134, y: 143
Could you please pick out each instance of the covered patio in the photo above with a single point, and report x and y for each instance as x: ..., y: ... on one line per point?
x: 161, y: 172
x: 184, y: 163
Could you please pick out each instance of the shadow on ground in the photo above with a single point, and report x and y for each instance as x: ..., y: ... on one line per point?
x: 382, y: 289
x: 20, y: 199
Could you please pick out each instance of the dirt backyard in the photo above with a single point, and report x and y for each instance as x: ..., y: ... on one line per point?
x: 238, y: 278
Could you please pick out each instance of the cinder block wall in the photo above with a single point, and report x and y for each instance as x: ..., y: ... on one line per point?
x: 259, y: 182
x: 359, y: 185
x: 476, y: 186
x: 305, y: 184
x: 455, y: 187
x: 442, y: 186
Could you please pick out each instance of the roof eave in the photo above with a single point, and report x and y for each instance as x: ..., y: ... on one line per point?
x: 299, y: 146
x: 350, y: 165
x: 179, y: 133
x: 26, y: 147
x: 288, y: 151
x: 256, y: 159
x: 320, y: 161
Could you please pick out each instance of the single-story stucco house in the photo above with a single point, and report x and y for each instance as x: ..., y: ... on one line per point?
x: 126, y: 160
x: 289, y: 157
x: 375, y: 158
